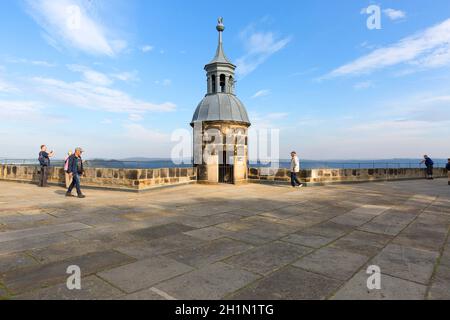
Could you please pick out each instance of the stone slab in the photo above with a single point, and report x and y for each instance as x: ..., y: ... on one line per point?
x: 15, y: 261
x: 268, y: 258
x: 161, y: 231
x: 391, y: 289
x: 40, y: 231
x: 92, y: 288
x: 308, y: 239
x: 333, y: 263
x: 390, y: 223
x: 211, y: 282
x: 422, y: 238
x: 210, y: 252
x: 440, y: 288
x: 161, y: 246
x: 208, y: 234
x: 34, y: 243
x: 363, y: 243
x: 144, y: 273
x: 146, y: 294
x: 22, y: 280
x: 289, y: 283
x: 406, y: 263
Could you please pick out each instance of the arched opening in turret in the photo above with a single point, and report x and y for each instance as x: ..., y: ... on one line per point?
x: 213, y: 81
x: 231, y: 85
x: 222, y: 83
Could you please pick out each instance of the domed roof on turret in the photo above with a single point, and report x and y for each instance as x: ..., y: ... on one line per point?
x: 221, y: 107
x: 220, y: 103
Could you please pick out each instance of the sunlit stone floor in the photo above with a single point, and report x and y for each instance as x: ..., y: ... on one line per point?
x: 227, y: 242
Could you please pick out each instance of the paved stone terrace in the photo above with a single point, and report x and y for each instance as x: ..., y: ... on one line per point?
x: 227, y: 242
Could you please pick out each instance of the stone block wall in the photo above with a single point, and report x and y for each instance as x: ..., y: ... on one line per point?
x: 122, y: 179
x: 145, y: 179
x: 326, y: 176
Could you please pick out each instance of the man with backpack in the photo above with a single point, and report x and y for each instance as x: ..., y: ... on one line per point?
x: 75, y: 170
x: 429, y: 164
x: 44, y: 162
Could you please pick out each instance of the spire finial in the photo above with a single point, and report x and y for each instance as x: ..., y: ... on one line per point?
x: 220, y: 55
x: 220, y: 26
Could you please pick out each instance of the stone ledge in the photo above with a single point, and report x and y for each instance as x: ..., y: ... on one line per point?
x: 135, y: 180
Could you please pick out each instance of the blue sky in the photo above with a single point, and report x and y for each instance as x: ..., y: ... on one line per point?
x: 131, y: 73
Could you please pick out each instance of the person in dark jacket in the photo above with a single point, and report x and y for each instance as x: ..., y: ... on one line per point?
x: 75, y: 170
x: 44, y: 162
x: 429, y: 164
x: 448, y: 171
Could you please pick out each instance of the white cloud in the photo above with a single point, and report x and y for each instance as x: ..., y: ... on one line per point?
x: 135, y: 117
x: 140, y: 133
x: 165, y: 82
x: 102, y: 79
x: 394, y: 14
x: 261, y: 93
x: 20, y: 110
x: 92, y: 76
x: 259, y: 47
x: 126, y: 76
x: 6, y: 87
x: 426, y: 49
x: 147, y: 48
x: 268, y: 121
x: 70, y: 24
x: 106, y: 121
x: 86, y: 95
x: 363, y: 85
x: 426, y: 107
x: 39, y: 63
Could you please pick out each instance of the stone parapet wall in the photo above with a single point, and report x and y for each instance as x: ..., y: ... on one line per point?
x: 145, y: 179
x: 327, y: 176
x: 121, y: 179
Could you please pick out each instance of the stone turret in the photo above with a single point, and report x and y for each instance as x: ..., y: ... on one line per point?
x: 221, y: 124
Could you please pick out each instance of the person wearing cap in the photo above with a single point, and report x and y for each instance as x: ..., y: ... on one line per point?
x: 448, y: 170
x: 66, y: 167
x: 44, y: 161
x: 429, y: 164
x: 295, y: 169
x: 75, y: 171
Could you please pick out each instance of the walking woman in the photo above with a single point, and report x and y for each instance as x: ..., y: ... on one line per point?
x: 66, y: 167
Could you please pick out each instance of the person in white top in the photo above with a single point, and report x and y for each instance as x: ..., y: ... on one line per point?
x: 295, y: 168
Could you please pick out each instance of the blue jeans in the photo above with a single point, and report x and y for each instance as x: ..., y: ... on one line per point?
x: 294, y: 180
x: 75, y: 183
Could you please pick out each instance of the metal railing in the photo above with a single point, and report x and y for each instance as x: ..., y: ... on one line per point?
x: 111, y: 164
x: 306, y: 164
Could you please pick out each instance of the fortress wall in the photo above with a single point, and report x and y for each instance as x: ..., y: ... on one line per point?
x: 328, y: 176
x: 145, y: 179
x: 120, y: 179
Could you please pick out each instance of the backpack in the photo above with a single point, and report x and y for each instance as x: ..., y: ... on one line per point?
x: 70, y: 163
x: 42, y: 160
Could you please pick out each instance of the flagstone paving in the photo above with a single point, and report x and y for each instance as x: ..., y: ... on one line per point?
x: 227, y: 242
